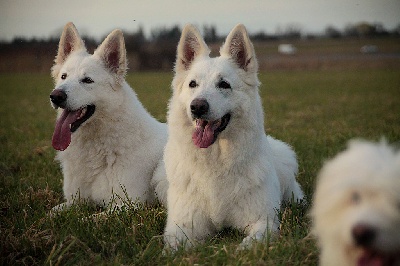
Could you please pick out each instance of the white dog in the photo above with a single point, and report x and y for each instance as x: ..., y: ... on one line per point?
x: 356, y: 207
x: 222, y: 169
x: 109, y: 145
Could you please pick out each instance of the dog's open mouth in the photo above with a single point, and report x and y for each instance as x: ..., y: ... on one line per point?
x: 69, y: 122
x: 377, y: 258
x: 206, y: 132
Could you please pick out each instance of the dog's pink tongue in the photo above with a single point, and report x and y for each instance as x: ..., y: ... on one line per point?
x: 62, y: 132
x: 370, y: 260
x: 203, y: 135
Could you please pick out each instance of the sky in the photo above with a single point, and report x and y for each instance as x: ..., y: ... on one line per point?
x: 45, y: 18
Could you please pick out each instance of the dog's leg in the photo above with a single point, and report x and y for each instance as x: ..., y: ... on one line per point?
x: 192, y: 227
x: 259, y: 231
x: 159, y: 183
x: 176, y: 235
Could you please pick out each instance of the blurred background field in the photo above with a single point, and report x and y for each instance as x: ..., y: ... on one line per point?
x: 359, y: 46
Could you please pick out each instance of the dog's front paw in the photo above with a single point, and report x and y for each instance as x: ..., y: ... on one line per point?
x: 258, y: 237
x: 59, y: 208
x: 171, y: 244
x: 248, y: 241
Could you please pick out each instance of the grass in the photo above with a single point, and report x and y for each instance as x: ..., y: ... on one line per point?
x: 317, y: 112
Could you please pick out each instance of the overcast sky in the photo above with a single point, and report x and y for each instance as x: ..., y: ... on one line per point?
x: 44, y: 18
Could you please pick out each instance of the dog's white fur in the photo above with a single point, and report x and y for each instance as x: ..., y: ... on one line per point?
x: 117, y: 152
x: 360, y: 188
x: 241, y: 179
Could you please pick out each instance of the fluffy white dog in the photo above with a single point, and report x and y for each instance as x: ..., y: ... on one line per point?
x: 356, y: 207
x: 110, y: 147
x: 222, y: 168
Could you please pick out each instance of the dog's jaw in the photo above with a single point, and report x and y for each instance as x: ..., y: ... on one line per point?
x: 69, y: 122
x: 206, y: 132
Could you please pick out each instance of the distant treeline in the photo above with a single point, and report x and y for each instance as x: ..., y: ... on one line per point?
x: 157, y: 51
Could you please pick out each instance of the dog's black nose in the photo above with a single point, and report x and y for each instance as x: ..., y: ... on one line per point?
x: 199, y: 107
x: 58, y: 97
x: 364, y: 235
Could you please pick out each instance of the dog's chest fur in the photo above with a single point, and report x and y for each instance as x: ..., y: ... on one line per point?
x: 219, y: 178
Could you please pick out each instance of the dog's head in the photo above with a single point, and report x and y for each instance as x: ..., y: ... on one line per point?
x: 357, y: 205
x: 214, y: 92
x: 84, y: 82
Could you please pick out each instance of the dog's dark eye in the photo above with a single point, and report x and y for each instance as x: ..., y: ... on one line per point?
x: 223, y: 85
x: 193, y: 84
x: 64, y: 76
x: 355, y: 197
x: 87, y: 80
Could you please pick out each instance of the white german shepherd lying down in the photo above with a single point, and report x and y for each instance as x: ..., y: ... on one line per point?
x: 109, y: 145
x: 223, y: 170
x: 356, y: 206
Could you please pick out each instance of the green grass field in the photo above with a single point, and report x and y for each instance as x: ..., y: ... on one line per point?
x: 317, y: 112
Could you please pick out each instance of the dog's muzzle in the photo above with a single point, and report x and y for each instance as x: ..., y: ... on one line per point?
x: 206, y: 131
x: 69, y: 120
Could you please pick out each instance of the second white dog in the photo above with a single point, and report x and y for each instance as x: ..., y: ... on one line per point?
x: 222, y: 169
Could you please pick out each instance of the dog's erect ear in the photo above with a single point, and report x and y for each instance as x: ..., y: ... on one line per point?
x: 239, y: 47
x: 70, y: 41
x: 190, y: 46
x: 113, y: 53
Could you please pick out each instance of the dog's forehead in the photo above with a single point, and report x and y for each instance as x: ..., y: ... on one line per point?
x: 212, y: 68
x: 364, y: 167
x: 77, y: 63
